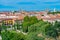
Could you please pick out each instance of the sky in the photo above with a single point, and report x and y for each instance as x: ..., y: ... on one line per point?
x: 29, y: 5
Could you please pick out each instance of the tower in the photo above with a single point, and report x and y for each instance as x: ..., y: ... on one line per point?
x: 54, y: 10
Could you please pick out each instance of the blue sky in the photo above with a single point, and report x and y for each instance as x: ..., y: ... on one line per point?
x: 29, y: 5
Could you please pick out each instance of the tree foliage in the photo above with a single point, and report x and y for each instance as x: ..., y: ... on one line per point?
x: 53, y: 30
x: 34, y: 36
x: 12, y: 35
x: 54, y: 12
x: 28, y: 21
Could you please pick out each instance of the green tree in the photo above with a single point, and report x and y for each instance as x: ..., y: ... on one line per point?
x: 51, y: 32
x: 57, y: 26
x: 33, y: 20
x: 25, y: 24
x: 18, y: 24
x: 12, y: 35
x: 28, y: 21
x: 4, y: 27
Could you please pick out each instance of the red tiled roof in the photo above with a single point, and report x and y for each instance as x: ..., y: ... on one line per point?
x: 38, y: 17
x: 58, y: 16
x: 40, y: 13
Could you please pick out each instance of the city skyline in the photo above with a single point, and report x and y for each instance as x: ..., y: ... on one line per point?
x: 29, y: 5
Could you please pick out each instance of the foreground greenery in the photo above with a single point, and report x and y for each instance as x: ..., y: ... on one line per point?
x: 12, y: 35
x: 35, y: 29
x: 28, y: 21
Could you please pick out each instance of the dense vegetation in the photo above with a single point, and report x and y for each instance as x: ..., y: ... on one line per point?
x: 28, y: 21
x: 54, y: 12
x: 35, y: 29
x: 12, y: 35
